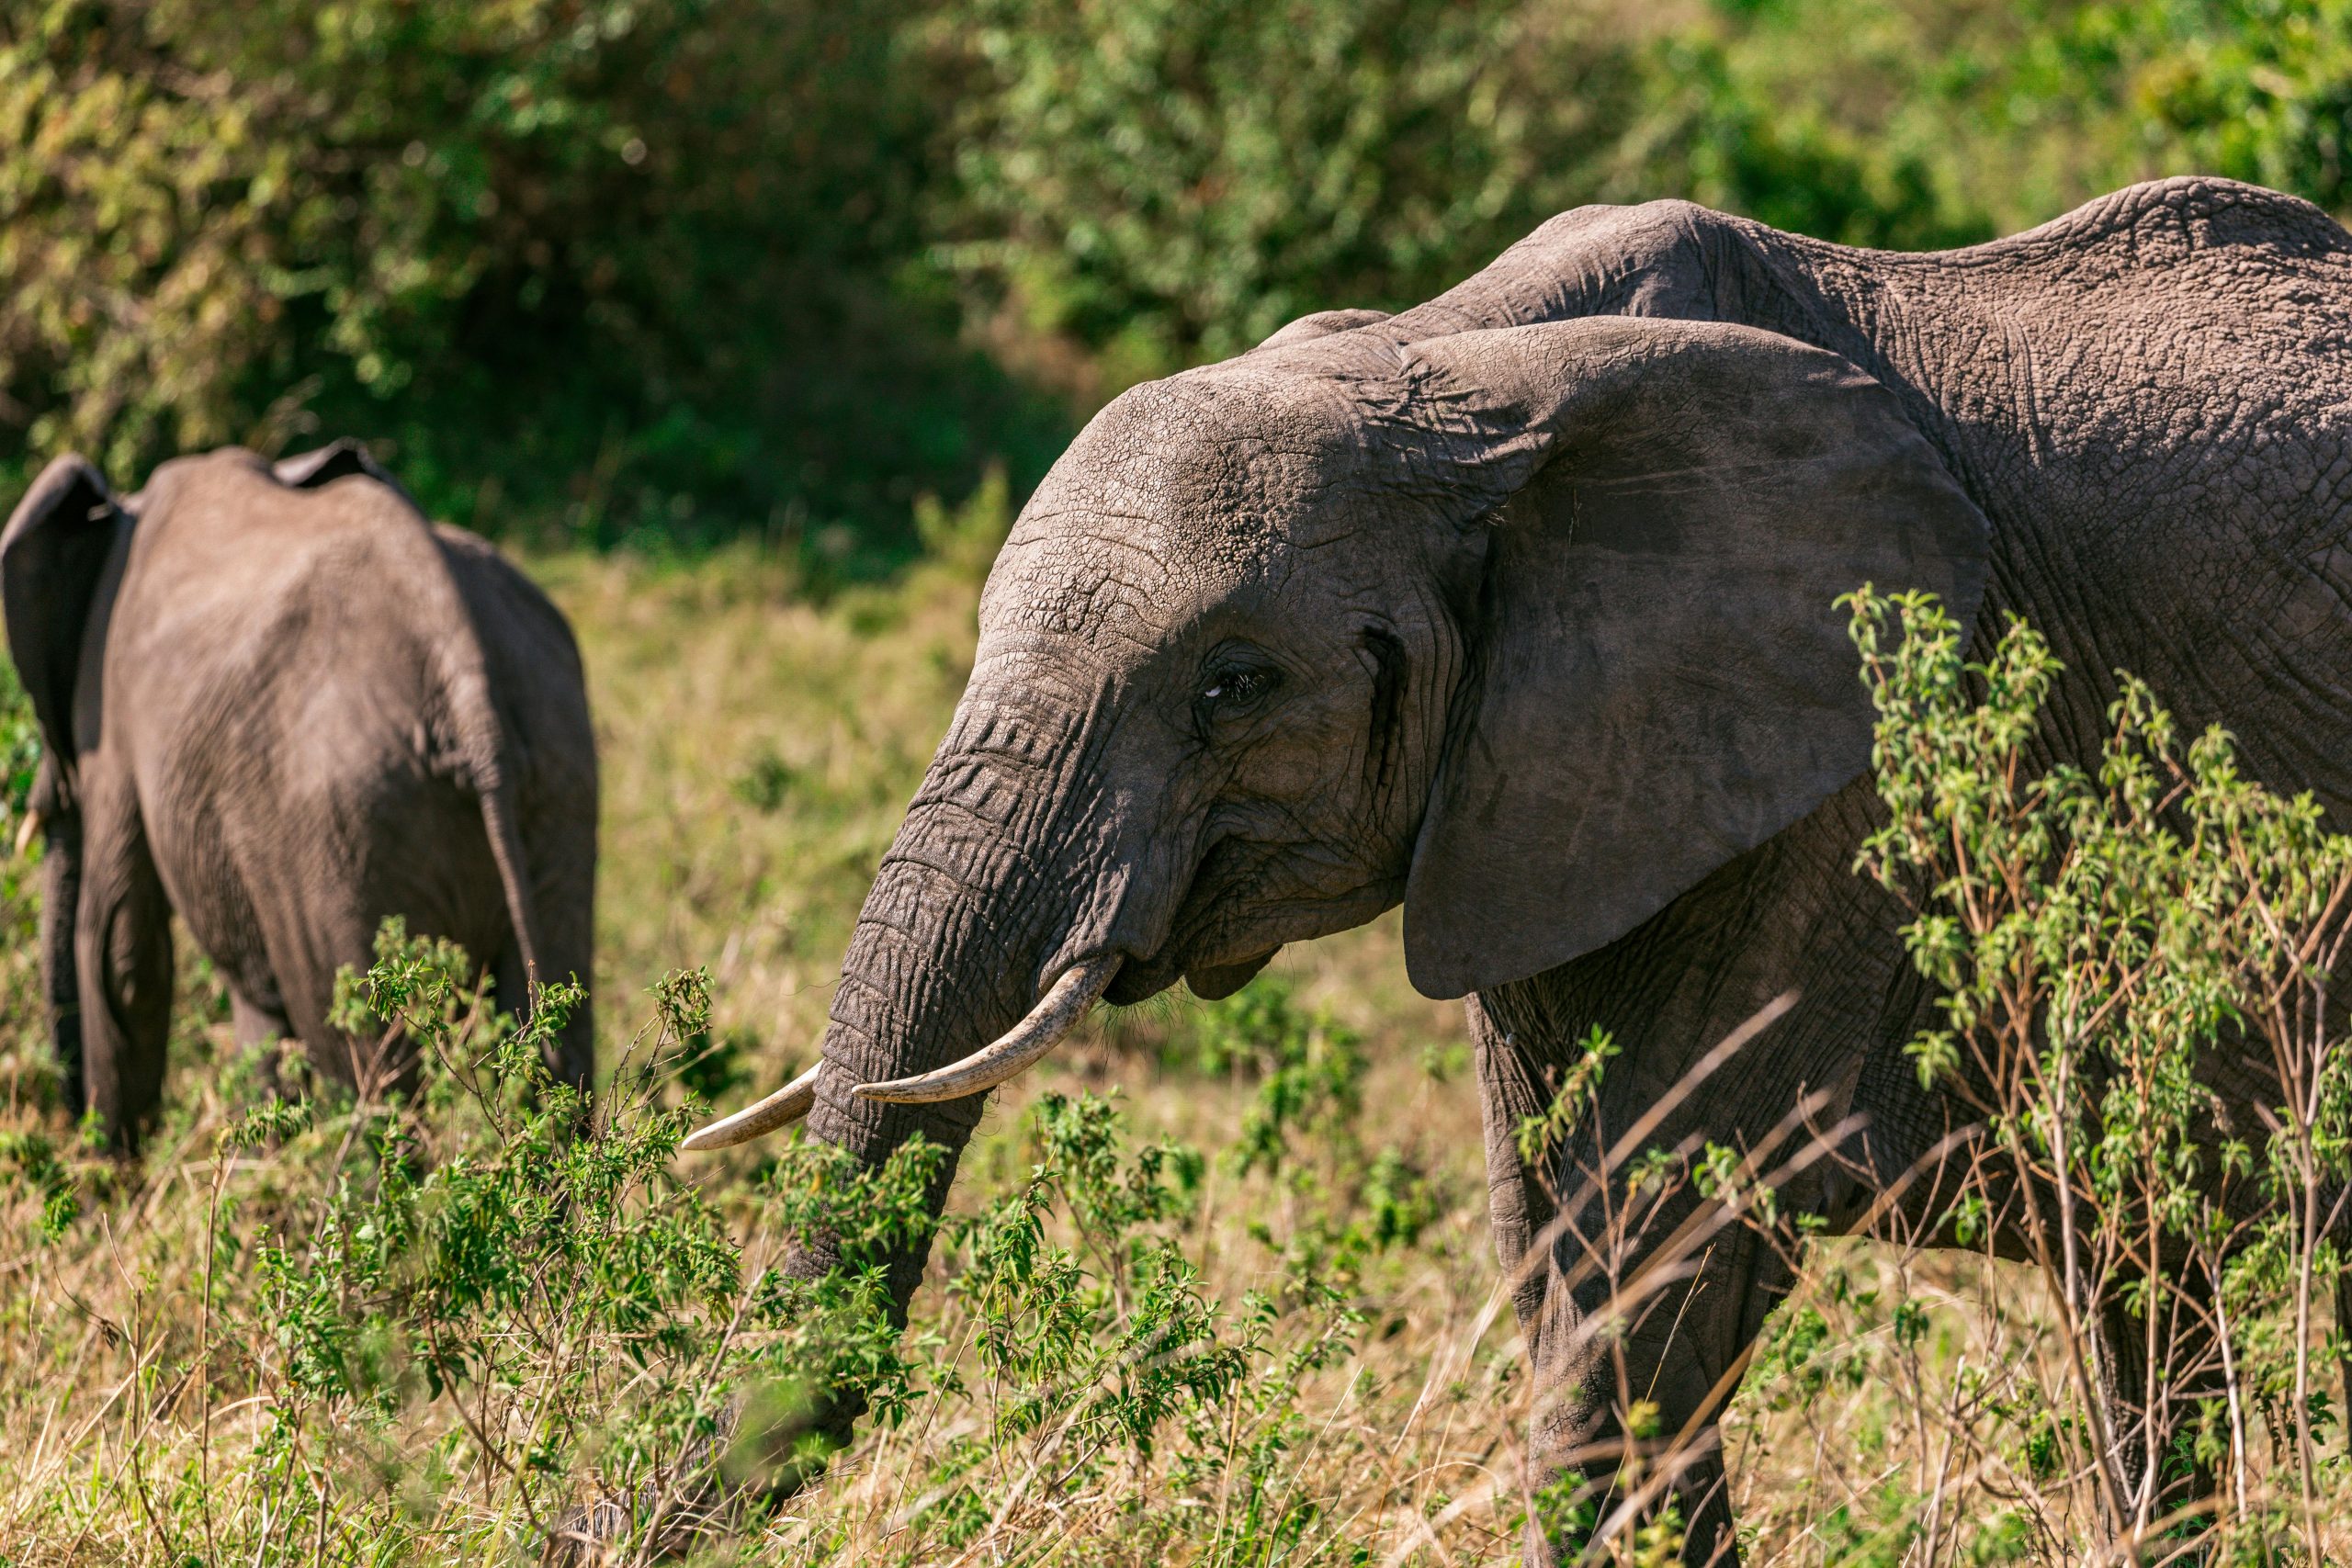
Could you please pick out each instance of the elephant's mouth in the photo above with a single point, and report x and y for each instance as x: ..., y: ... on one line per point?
x: 1207, y: 978
x: 1248, y: 900
x: 1216, y: 943
x: 1214, y: 982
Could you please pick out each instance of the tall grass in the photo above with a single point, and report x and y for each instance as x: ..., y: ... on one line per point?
x: 1215, y: 1287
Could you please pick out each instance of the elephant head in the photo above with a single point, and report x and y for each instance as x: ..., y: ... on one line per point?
x: 1529, y: 628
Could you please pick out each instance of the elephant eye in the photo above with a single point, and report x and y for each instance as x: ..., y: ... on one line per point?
x: 1231, y: 687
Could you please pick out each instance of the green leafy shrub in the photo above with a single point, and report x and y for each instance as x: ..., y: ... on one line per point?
x: 2259, y: 90
x: 620, y: 267
x: 24, y: 1024
x: 1308, y: 1068
x: 474, y: 1313
x: 1172, y: 182
x: 1127, y: 179
x: 19, y: 751
x: 483, y: 1311
x: 2132, y: 966
x: 664, y: 271
x: 1101, y: 1354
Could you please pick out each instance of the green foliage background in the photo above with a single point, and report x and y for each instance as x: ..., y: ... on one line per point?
x: 665, y: 271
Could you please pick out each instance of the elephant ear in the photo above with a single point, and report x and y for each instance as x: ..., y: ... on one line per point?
x: 337, y: 460
x: 1659, y: 676
x: 53, y: 556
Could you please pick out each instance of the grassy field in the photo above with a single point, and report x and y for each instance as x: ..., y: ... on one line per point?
x: 1222, y: 1288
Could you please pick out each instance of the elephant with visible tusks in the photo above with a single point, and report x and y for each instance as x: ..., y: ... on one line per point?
x: 280, y: 701
x: 1518, y: 608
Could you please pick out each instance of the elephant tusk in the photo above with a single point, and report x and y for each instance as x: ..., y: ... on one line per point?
x: 24, y: 833
x: 1030, y: 1039
x: 781, y: 1109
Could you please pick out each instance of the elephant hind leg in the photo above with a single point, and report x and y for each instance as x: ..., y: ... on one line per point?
x: 563, y: 892
x: 2344, y: 1334
x: 263, y: 1030
x: 2152, y: 1420
x: 59, y: 972
x: 1681, y: 1353
x: 256, y: 1023
x: 1679, y: 1359
x: 122, y: 950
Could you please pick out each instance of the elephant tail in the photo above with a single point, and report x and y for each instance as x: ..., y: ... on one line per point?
x: 478, y: 749
x: 489, y: 765
x: 478, y: 746
x: 483, y: 756
x: 497, y: 796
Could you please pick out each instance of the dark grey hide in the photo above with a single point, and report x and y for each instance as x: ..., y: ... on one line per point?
x: 1517, y: 608
x: 281, y: 704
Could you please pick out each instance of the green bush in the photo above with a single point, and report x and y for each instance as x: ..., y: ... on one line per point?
x: 2259, y: 90
x: 665, y: 270
x: 25, y: 1050
x: 1172, y: 182
x: 19, y: 751
x: 619, y: 264
x: 2133, y: 964
x: 466, y: 1318
x: 461, y: 1320
x: 1167, y: 182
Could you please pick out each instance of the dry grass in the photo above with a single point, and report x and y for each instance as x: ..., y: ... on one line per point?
x: 758, y: 750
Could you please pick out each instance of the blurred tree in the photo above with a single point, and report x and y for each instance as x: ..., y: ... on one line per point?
x: 2259, y: 90
x: 1830, y: 118
x: 1917, y: 122
x: 1164, y: 183
x: 1169, y: 180
x: 640, y: 250
x: 663, y: 269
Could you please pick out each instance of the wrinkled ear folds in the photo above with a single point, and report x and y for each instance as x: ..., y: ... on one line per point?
x: 337, y: 460
x: 53, y: 556
x: 1660, y: 679
x: 1321, y: 324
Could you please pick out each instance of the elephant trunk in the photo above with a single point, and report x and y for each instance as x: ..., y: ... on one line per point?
x: 976, y: 930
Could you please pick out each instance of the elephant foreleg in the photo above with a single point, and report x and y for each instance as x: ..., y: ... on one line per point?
x: 1633, y: 1373
x: 262, y: 1030
x: 1636, y: 1341
x: 253, y: 1023
x: 122, y: 945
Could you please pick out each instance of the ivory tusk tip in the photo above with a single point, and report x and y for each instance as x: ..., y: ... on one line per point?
x: 703, y: 1139
x: 25, y: 832
x: 1062, y: 1005
x: 778, y: 1111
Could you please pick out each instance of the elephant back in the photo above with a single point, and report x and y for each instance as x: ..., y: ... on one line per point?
x: 302, y: 655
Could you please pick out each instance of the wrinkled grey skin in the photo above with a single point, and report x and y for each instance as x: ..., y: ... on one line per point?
x: 283, y: 704
x: 1517, y: 607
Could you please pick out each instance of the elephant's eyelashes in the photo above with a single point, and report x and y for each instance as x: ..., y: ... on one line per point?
x: 1231, y: 688
x: 1240, y: 687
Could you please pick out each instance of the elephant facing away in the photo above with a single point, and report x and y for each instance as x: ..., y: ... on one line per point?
x: 1518, y: 608
x: 280, y: 701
